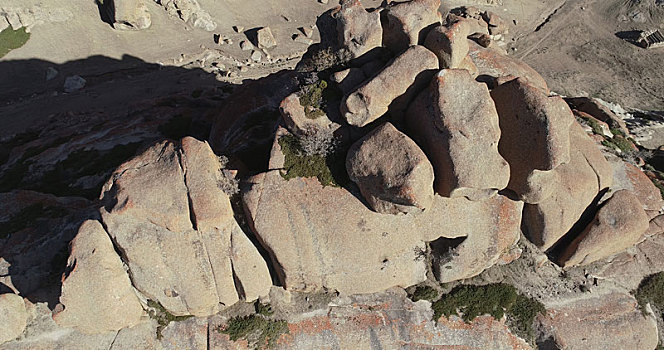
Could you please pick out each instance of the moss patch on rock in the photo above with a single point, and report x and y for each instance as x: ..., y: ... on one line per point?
x: 619, y: 143
x: 329, y: 170
x: 258, y: 330
x: 424, y: 292
x: 497, y: 300
x: 162, y: 316
x: 12, y: 39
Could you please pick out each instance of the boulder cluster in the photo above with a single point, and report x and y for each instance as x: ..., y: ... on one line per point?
x: 442, y: 152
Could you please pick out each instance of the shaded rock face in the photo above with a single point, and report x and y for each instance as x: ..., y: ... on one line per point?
x: 535, y: 136
x: 348, y: 79
x: 619, y: 224
x: 12, y: 315
x: 449, y: 43
x: 395, y: 85
x: 96, y: 291
x: 609, y: 321
x: 393, y: 174
x: 169, y: 219
x: 405, y: 24
x: 494, y: 64
x: 457, y: 124
x: 359, y: 31
x: 129, y: 14
x: 577, y: 183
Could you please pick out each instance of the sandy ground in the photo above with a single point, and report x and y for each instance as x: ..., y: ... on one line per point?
x: 572, y: 43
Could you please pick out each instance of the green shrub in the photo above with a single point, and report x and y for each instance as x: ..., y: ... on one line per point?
x: 424, y: 293
x: 263, y: 309
x: 314, y: 98
x: 651, y: 290
x: 497, y: 300
x: 162, y: 316
x: 329, y: 169
x: 12, y: 39
x: 258, y: 330
x: 619, y: 143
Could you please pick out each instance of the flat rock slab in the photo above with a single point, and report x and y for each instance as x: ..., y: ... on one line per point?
x: 598, y: 322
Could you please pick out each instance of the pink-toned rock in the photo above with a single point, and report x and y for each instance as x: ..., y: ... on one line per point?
x: 405, y: 24
x: 598, y: 322
x: 359, y: 31
x: 97, y: 294
x: 456, y: 123
x: 619, y: 224
x: 395, y: 85
x: 535, y: 136
x: 298, y: 122
x: 576, y: 185
x: 596, y: 109
x: 496, y: 64
x: 392, y: 172
x: 450, y: 44
x: 627, y: 176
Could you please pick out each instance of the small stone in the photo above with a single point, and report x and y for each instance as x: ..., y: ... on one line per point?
x: 51, y: 73
x: 482, y: 39
x: 300, y: 38
x: 246, y: 46
x: 256, y: 56
x: 307, y: 31
x: 265, y: 39
x: 244, y: 69
x: 74, y: 83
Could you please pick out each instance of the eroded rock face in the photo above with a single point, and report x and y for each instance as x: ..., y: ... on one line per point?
x: 359, y: 31
x: 450, y: 44
x: 495, y: 64
x: 535, y: 135
x: 167, y: 215
x: 130, y: 14
x: 392, y: 172
x: 595, y: 322
x: 406, y: 23
x: 96, y: 292
x: 456, y: 122
x: 619, y: 224
x: 13, y: 316
x: 396, y: 84
x: 631, y: 178
x: 577, y: 184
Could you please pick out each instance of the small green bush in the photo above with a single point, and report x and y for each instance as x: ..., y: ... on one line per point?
x: 263, y: 309
x: 619, y: 143
x: 651, y: 290
x: 329, y: 170
x: 593, y: 124
x: 259, y: 331
x: 163, y: 317
x: 497, y: 300
x: 424, y: 293
x: 12, y: 39
x: 314, y: 98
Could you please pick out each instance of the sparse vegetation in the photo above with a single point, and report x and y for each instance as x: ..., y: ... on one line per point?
x: 325, y: 59
x: 424, y: 292
x: 314, y: 98
x: 651, y: 290
x: 12, y: 39
x: 497, y: 300
x: 319, y: 143
x: 619, y: 143
x: 263, y: 309
x: 329, y: 170
x: 226, y: 182
x: 258, y: 330
x: 162, y: 316
x: 593, y: 124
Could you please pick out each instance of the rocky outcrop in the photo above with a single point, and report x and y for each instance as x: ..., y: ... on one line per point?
x: 171, y: 221
x: 619, y: 224
x: 128, y: 14
x: 97, y: 295
x: 628, y: 177
x: 576, y: 186
x: 456, y: 122
x: 535, y: 136
x: 393, y: 174
x: 359, y: 31
x: 450, y: 44
x: 496, y: 64
x: 13, y: 316
x: 298, y: 122
x: 395, y: 85
x: 595, y: 322
x: 405, y: 24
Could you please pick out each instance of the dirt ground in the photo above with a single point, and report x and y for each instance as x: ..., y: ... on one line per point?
x: 575, y: 44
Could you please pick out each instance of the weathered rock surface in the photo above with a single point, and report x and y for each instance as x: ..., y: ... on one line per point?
x: 599, y: 111
x: 396, y: 84
x: 298, y: 122
x: 96, y: 291
x: 492, y: 63
x: 129, y: 14
x: 406, y: 23
x: 265, y: 39
x: 595, y: 322
x: 535, y: 135
x: 13, y: 316
x: 457, y: 124
x: 577, y: 184
x: 173, y: 224
x: 619, y: 224
x: 494, y: 232
x: 359, y: 31
x: 450, y: 44
x: 392, y: 172
x: 628, y: 177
